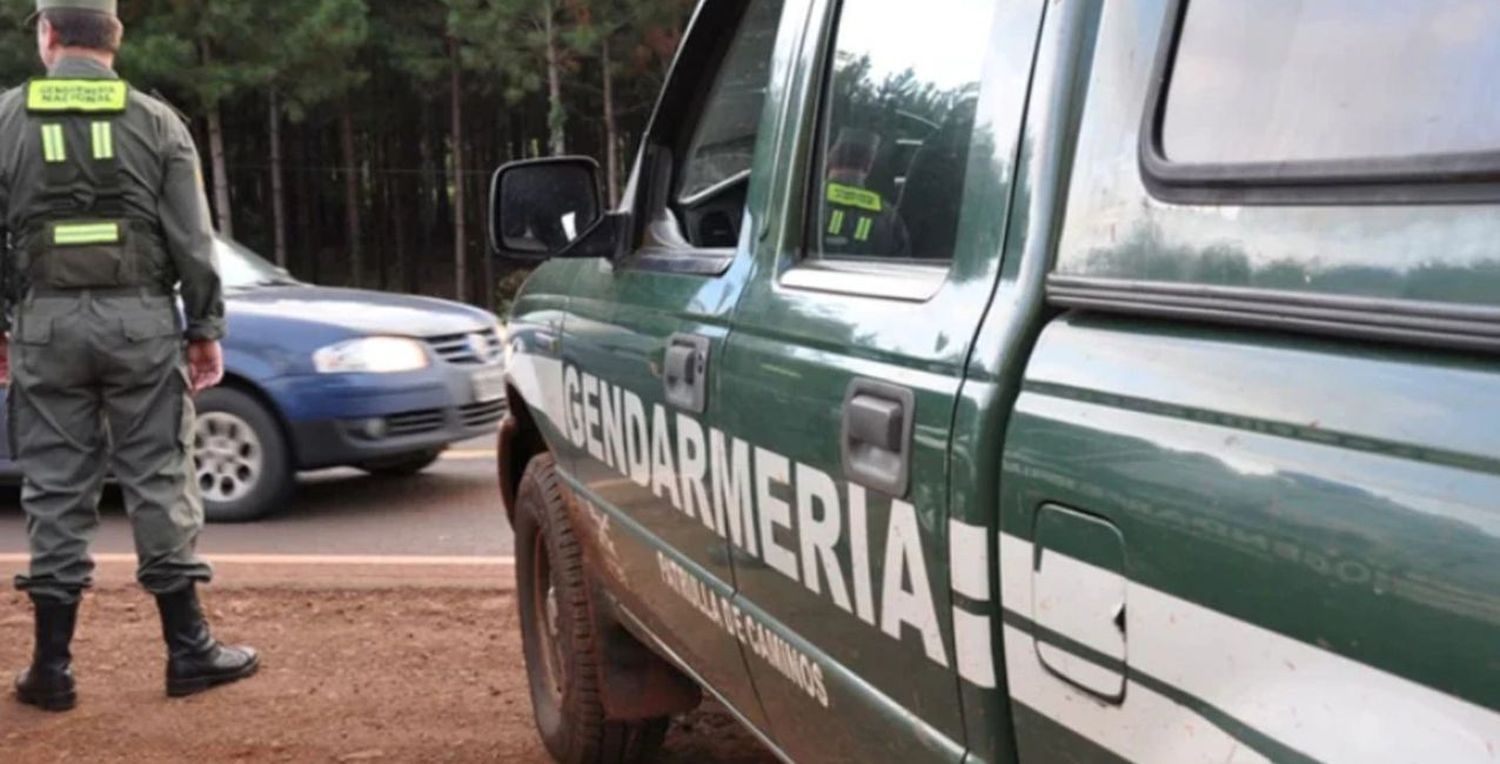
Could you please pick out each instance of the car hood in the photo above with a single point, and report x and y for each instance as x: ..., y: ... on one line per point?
x: 360, y: 312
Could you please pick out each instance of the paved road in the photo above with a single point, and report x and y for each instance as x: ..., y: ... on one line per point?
x: 451, y: 510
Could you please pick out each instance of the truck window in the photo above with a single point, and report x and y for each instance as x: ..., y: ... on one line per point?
x: 723, y: 143
x: 1331, y: 91
x: 1312, y: 258
x: 898, y: 120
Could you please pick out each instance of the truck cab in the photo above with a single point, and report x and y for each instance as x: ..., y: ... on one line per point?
x: 1023, y: 380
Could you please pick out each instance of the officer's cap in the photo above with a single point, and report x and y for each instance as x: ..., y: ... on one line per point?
x: 110, y: 7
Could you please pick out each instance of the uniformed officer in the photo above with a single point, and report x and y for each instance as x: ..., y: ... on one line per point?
x: 102, y: 196
x: 857, y: 220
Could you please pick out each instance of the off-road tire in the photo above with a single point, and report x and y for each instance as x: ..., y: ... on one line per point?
x: 571, y: 723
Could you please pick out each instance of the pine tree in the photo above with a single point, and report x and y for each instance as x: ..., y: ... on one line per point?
x: 311, y: 49
x: 18, y: 57
x: 362, y: 129
x: 205, y: 51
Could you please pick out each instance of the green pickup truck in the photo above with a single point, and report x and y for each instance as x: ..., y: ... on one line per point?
x: 1024, y: 380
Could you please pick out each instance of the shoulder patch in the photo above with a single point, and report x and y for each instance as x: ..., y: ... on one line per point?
x: 87, y: 96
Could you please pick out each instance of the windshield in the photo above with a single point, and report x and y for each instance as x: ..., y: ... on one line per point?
x: 242, y: 269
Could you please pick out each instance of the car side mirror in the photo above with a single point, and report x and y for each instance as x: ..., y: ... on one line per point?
x: 544, y: 208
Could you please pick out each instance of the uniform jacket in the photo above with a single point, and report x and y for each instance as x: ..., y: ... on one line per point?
x: 163, y: 185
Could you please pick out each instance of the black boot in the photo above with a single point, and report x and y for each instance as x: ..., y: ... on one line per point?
x: 48, y: 684
x: 195, y: 662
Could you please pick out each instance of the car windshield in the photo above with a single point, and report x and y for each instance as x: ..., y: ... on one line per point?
x: 242, y: 269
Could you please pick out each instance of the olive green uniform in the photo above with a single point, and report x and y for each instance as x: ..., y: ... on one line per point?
x: 107, y: 219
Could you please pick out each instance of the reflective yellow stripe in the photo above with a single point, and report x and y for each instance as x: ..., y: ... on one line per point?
x: 862, y: 232
x: 54, y: 147
x: 104, y: 141
x: 92, y: 96
x: 836, y: 224
x: 86, y: 233
x: 849, y: 196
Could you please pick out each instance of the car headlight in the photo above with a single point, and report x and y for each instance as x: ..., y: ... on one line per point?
x: 371, y: 355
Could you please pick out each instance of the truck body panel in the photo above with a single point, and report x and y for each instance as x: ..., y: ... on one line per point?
x: 1132, y: 525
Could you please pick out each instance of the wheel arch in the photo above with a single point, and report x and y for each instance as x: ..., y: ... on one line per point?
x: 242, y: 384
x: 520, y: 440
x: 635, y: 683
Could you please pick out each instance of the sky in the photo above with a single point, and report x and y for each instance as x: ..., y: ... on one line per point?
x: 945, y: 41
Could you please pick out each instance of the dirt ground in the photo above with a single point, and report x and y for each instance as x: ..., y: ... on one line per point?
x: 348, y: 676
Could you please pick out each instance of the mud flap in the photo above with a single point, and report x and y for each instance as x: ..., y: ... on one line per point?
x: 638, y: 685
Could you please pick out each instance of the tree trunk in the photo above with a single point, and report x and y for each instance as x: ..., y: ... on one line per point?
x: 557, y: 117
x: 460, y: 233
x: 399, y: 193
x: 278, y: 188
x: 427, y: 199
x: 611, y: 129
x: 221, y: 171
x: 351, y: 197
x: 481, y: 217
x: 216, y: 155
x: 307, y: 230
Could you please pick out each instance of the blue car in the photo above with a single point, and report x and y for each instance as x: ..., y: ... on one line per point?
x: 319, y: 377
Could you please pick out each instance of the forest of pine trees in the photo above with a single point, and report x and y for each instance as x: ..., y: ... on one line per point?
x: 353, y: 140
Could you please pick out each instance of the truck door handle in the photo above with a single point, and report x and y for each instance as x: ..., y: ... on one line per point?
x: 685, y: 372
x: 877, y: 435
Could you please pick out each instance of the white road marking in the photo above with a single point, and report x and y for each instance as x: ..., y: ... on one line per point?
x: 468, y: 455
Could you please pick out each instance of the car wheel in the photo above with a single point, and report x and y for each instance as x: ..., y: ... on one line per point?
x: 242, y: 462
x: 404, y: 465
x: 564, y: 657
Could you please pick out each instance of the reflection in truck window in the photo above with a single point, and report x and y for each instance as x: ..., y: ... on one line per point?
x: 1333, y: 80
x: 723, y: 144
x: 898, y: 121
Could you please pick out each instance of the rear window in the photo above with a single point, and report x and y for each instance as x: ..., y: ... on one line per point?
x: 1333, y: 89
x: 1420, y: 272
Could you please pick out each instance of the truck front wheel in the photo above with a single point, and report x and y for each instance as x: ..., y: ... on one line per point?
x: 562, y: 642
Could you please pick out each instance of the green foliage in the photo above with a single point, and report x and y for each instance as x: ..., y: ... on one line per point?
x: 18, y: 59
x: 198, y: 49
x: 385, y: 66
x: 311, y: 47
x: 503, y: 36
x: 412, y: 39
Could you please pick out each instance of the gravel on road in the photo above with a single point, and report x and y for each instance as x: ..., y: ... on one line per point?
x: 401, y: 675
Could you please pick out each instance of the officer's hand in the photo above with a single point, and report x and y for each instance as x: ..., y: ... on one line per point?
x: 205, y: 364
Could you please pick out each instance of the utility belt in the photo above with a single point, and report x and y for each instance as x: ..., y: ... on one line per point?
x: 65, y: 255
x: 142, y: 291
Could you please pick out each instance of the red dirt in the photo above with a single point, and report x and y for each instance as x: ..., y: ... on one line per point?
x: 348, y: 676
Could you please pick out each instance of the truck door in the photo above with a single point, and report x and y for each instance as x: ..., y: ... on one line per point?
x: 644, y: 340
x: 843, y: 370
x: 1249, y: 483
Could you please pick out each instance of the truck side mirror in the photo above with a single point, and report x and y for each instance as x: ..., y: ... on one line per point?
x: 540, y: 208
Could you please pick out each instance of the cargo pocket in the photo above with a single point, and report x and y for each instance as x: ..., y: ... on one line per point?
x: 12, y: 443
x: 86, y: 255
x: 32, y: 333
x: 155, y: 343
x: 150, y: 327
x: 179, y: 388
x: 34, y: 330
